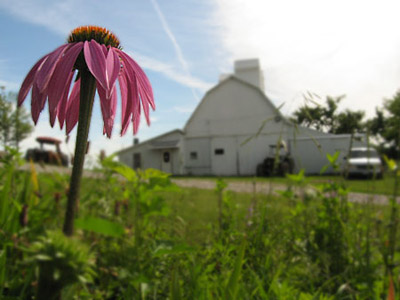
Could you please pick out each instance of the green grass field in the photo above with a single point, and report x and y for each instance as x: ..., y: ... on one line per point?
x: 145, y: 238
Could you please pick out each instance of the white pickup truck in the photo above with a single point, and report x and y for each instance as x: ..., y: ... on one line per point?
x: 363, y: 161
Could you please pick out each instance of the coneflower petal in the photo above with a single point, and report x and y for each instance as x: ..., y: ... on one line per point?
x: 47, y: 69
x: 113, y: 106
x: 28, y: 81
x: 62, y: 105
x: 145, y: 105
x: 144, y: 86
x: 108, y: 108
x: 133, y: 94
x: 129, y: 79
x: 136, y: 120
x: 125, y: 114
x: 37, y: 102
x: 58, y: 82
x: 96, y: 61
x: 104, y: 101
x: 113, y: 67
x: 73, y: 107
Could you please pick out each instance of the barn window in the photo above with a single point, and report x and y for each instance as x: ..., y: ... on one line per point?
x: 166, y: 157
x: 193, y: 155
x: 219, y: 151
x: 137, y: 161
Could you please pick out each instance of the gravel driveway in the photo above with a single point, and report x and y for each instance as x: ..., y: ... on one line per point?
x: 267, y: 188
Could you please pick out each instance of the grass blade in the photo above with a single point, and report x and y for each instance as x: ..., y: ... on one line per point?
x: 233, y: 284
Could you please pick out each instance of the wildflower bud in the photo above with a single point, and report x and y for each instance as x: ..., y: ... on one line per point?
x: 23, y: 216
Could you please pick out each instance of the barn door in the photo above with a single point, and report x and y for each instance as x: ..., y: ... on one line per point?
x: 224, y: 157
x: 166, y: 164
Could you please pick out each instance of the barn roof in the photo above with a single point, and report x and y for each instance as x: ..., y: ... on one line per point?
x: 155, y: 143
x: 235, y: 78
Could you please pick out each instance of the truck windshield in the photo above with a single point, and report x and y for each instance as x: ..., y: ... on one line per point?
x: 363, y: 153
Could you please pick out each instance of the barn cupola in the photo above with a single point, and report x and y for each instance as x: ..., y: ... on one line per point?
x: 249, y: 70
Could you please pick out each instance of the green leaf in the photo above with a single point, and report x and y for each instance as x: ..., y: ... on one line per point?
x: 390, y: 163
x: 175, y: 289
x: 333, y: 158
x: 297, y: 178
x: 233, y: 284
x: 323, y: 169
x: 100, y: 226
x: 126, y: 172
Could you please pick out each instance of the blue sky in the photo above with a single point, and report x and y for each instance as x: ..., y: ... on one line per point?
x: 330, y: 48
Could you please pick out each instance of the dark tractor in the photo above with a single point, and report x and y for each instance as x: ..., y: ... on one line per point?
x: 278, y: 162
x: 47, y: 156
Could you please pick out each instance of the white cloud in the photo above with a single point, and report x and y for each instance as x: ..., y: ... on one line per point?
x: 56, y: 16
x: 174, y: 42
x: 171, y: 36
x: 171, y: 72
x: 331, y: 48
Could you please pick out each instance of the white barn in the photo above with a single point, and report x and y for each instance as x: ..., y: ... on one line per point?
x: 230, y: 132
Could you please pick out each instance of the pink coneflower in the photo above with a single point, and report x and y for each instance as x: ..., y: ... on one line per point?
x: 95, y: 53
x: 98, y: 50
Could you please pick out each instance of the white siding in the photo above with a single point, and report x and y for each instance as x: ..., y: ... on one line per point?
x: 254, y: 152
x: 201, y: 165
x: 224, y: 156
x: 310, y: 153
x: 234, y: 108
x: 152, y: 153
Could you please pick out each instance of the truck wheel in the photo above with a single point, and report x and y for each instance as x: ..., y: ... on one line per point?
x: 285, y: 168
x: 259, y: 170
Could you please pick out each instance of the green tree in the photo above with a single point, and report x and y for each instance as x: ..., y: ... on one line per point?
x: 5, y: 118
x: 325, y: 117
x: 15, y: 124
x: 350, y: 122
x: 386, y: 126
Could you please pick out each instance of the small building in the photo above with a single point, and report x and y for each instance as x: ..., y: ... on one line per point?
x: 230, y: 133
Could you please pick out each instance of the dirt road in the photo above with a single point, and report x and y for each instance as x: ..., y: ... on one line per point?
x: 267, y: 188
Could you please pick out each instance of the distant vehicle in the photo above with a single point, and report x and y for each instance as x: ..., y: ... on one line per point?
x: 47, y: 156
x: 363, y: 162
x: 278, y: 162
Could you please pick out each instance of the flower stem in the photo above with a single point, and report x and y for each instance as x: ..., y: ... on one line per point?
x: 88, y: 88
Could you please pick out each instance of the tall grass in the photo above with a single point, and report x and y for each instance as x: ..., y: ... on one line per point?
x: 141, y: 237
